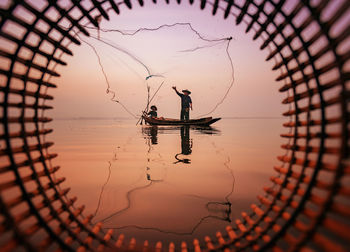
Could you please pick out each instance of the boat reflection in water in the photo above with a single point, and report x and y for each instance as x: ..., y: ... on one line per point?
x: 151, y: 133
x: 217, y: 210
x: 165, y: 201
x: 169, y: 183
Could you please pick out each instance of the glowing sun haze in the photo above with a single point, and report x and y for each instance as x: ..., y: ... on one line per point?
x: 206, y: 72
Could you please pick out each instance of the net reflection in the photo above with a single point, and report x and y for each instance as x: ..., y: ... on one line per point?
x: 155, y: 175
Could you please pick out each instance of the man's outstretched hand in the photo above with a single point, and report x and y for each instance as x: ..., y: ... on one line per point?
x: 174, y: 87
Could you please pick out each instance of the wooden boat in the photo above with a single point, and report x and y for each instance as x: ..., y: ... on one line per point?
x: 169, y: 121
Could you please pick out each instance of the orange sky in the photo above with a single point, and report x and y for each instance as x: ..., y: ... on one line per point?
x: 81, y: 89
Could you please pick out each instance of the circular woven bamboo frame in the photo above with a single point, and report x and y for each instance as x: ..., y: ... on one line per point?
x: 307, y: 207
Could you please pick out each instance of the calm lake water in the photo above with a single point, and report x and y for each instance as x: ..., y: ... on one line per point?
x: 166, y: 183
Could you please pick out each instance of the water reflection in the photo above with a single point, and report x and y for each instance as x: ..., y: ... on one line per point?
x: 217, y: 210
x: 151, y: 133
x: 186, y: 146
x: 133, y: 182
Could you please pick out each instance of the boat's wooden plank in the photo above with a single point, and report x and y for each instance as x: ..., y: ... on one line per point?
x: 168, y: 121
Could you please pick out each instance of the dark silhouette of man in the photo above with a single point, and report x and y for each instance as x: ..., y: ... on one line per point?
x: 186, y: 104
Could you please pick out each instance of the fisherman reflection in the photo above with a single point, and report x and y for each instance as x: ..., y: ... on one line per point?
x: 152, y: 139
x: 151, y: 133
x: 186, y: 146
x: 154, y: 135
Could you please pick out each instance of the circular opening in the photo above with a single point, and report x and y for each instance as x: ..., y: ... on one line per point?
x: 308, y: 206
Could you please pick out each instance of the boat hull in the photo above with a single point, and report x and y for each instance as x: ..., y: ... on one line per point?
x: 168, y: 121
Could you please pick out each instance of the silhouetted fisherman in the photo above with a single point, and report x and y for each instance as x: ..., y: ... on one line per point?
x: 153, y: 112
x: 186, y: 104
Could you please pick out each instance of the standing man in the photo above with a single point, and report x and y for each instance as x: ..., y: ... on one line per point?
x: 186, y: 104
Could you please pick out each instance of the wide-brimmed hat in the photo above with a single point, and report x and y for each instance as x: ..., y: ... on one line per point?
x: 153, y: 107
x: 187, y: 91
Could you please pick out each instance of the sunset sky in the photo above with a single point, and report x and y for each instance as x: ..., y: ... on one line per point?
x: 206, y: 72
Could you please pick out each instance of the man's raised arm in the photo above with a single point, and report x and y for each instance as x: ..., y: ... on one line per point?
x: 179, y: 94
